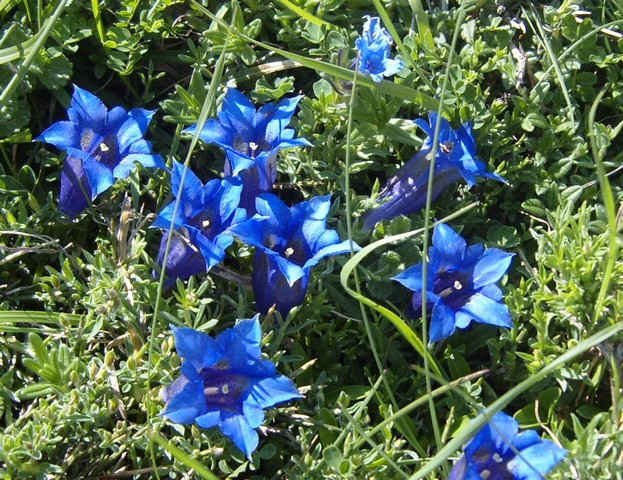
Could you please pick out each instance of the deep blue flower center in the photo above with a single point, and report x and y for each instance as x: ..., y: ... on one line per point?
x: 102, y: 148
x: 492, y: 466
x: 454, y: 286
x: 251, y: 147
x: 223, y: 387
x: 207, y: 222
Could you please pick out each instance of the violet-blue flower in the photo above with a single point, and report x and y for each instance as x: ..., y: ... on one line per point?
x: 102, y: 146
x: 374, y: 46
x: 461, y: 284
x: 225, y: 383
x: 289, y: 241
x: 205, y: 214
x: 500, y: 452
x: 251, y: 139
x: 456, y: 159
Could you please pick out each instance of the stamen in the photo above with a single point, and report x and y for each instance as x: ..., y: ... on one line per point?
x: 458, y: 286
x: 497, y: 458
x: 410, y: 180
x: 103, y: 147
x: 210, y: 391
x: 446, y: 147
x: 289, y: 252
x: 206, y: 223
x: 485, y: 474
x: 225, y: 389
x: 253, y: 146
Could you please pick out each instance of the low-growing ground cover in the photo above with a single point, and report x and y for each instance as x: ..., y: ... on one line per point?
x: 169, y: 170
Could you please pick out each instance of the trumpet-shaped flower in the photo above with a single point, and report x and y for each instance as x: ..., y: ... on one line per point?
x: 201, y: 226
x: 500, y: 452
x: 374, y: 46
x: 225, y: 383
x: 102, y: 146
x: 251, y: 139
x: 456, y: 159
x: 289, y: 241
x: 461, y: 284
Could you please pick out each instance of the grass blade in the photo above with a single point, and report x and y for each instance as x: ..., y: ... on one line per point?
x: 182, y: 457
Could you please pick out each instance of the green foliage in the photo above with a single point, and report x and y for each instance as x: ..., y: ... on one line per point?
x: 80, y: 386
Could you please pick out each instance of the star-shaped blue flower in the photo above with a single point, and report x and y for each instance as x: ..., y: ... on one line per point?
x: 461, y: 284
x: 405, y: 192
x: 205, y: 214
x: 225, y: 383
x: 251, y: 138
x: 289, y: 241
x: 102, y: 146
x: 500, y: 452
x: 374, y: 47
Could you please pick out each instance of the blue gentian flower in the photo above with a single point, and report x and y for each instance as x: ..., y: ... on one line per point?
x: 374, y: 46
x: 405, y: 192
x: 225, y: 383
x: 289, y: 241
x: 251, y: 138
x: 500, y: 452
x: 102, y: 146
x: 461, y: 284
x: 205, y: 214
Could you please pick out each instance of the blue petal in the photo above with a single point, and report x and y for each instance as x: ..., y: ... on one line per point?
x: 187, y: 402
x: 442, y: 322
x: 272, y: 207
x: 125, y: 167
x: 237, y: 112
x: 271, y: 288
x: 163, y: 220
x: 143, y: 117
x: 503, y: 430
x: 251, y: 231
x: 249, y: 332
x: 192, y: 184
x: 209, y: 419
x: 86, y: 108
x: 75, y: 193
x: 534, y: 462
x: 526, y: 439
x: 273, y: 390
x: 184, y: 259
x: 491, y: 267
x: 61, y: 134
x: 212, y: 252
x: 492, y: 291
x: 291, y: 271
x: 392, y: 66
x: 115, y: 117
x: 211, y: 133
x: 486, y: 310
x: 448, y: 246
x: 237, y: 162
x: 197, y: 348
x: 411, y: 278
x: 330, y: 250
x: 253, y: 414
x: 236, y: 427
x: 99, y: 175
x: 128, y: 133
x: 230, y: 197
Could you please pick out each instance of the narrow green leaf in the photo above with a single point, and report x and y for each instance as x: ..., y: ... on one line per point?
x: 27, y: 316
x: 304, y: 14
x: 182, y: 457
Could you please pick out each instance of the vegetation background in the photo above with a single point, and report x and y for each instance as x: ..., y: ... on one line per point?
x: 82, y: 360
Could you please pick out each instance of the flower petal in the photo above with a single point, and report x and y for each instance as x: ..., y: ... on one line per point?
x: 448, y: 246
x: 75, y: 193
x: 273, y: 390
x: 99, y: 175
x: 411, y: 278
x: 197, y: 348
x: 486, y: 310
x: 534, y: 462
x: 86, y: 108
x: 125, y: 167
x: 143, y: 117
x: 61, y: 134
x: 236, y: 427
x: 442, y: 322
x: 491, y: 267
x: 211, y: 133
x: 209, y: 419
x: 186, y: 401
